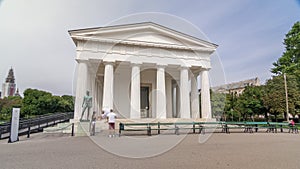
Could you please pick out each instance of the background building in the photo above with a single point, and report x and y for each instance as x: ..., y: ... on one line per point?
x: 236, y: 87
x: 9, y: 86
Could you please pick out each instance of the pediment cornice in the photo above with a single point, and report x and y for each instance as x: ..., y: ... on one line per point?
x: 143, y: 43
x: 119, y: 35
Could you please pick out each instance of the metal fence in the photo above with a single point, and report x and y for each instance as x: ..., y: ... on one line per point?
x: 37, y: 124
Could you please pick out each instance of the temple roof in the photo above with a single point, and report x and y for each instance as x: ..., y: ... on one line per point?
x: 128, y: 33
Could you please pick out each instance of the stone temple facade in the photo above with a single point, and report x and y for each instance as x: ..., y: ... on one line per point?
x: 142, y: 70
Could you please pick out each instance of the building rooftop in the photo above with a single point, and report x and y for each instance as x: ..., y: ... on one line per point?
x: 237, y: 85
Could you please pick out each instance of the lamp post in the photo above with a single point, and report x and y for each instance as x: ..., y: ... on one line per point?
x: 286, y: 98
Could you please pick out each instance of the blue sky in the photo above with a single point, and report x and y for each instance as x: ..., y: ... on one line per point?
x: 34, y: 36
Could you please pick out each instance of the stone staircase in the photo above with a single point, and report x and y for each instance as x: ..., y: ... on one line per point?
x: 59, y: 128
x: 80, y: 128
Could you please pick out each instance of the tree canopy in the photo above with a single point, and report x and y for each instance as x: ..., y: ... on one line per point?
x: 6, y: 105
x: 289, y: 62
x: 250, y: 102
x: 35, y: 102
x: 274, y: 98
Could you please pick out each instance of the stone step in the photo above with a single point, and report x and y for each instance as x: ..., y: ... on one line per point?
x: 59, y: 128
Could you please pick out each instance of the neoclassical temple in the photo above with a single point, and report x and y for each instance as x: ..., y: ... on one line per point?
x: 143, y: 70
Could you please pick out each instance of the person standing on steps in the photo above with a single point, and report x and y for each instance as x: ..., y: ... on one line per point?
x: 111, y: 118
x: 93, y: 124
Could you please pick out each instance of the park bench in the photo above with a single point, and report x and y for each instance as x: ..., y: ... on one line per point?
x: 269, y: 126
x: 233, y: 125
x: 250, y: 127
x: 279, y: 125
x: 176, y: 126
x: 213, y: 126
x: 157, y: 126
x: 136, y: 127
x: 293, y: 128
x: 202, y: 127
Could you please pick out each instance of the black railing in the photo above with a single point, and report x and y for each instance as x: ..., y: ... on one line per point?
x: 37, y: 124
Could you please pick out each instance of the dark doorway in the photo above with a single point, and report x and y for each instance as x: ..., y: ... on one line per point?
x: 145, y: 101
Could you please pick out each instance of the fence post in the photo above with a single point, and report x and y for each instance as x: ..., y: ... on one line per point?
x: 194, y: 127
x: 0, y: 132
x: 149, y: 130
x: 39, y: 129
x: 72, y: 134
x: 158, y: 126
x: 28, y: 132
x: 176, y: 130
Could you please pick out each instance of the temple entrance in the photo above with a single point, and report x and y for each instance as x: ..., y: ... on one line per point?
x: 145, y: 102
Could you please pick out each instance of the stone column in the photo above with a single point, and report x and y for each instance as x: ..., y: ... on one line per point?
x: 161, y: 111
x: 135, y: 101
x: 96, y: 96
x: 169, y: 96
x: 194, y: 97
x: 177, y: 88
x: 93, y: 93
x: 185, y: 111
x: 205, y: 95
x: 100, y: 97
x: 81, y: 87
x: 108, y: 85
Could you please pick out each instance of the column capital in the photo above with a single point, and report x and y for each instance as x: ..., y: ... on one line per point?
x: 108, y: 63
x: 184, y: 67
x: 81, y: 61
x: 135, y: 64
x: 204, y: 69
x: 161, y: 65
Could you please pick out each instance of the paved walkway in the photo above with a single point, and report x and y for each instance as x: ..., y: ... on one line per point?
x: 234, y: 151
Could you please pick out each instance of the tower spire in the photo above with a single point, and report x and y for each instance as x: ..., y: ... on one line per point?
x: 10, y: 77
x: 9, y: 86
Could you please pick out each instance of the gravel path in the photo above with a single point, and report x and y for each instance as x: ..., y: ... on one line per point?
x: 234, y: 151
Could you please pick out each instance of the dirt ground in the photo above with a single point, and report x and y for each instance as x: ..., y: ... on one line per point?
x: 234, y: 151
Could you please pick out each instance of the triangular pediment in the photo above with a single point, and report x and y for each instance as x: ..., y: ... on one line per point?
x: 147, y: 32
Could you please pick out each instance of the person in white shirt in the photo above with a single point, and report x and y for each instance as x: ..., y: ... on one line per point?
x: 111, y: 119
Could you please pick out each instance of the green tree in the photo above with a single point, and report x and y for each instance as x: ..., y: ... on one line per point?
x: 217, y: 103
x: 289, y: 62
x: 250, y: 102
x: 230, y: 113
x: 37, y: 102
x: 274, y: 98
x: 6, y: 106
x: 61, y: 104
x: 67, y: 103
